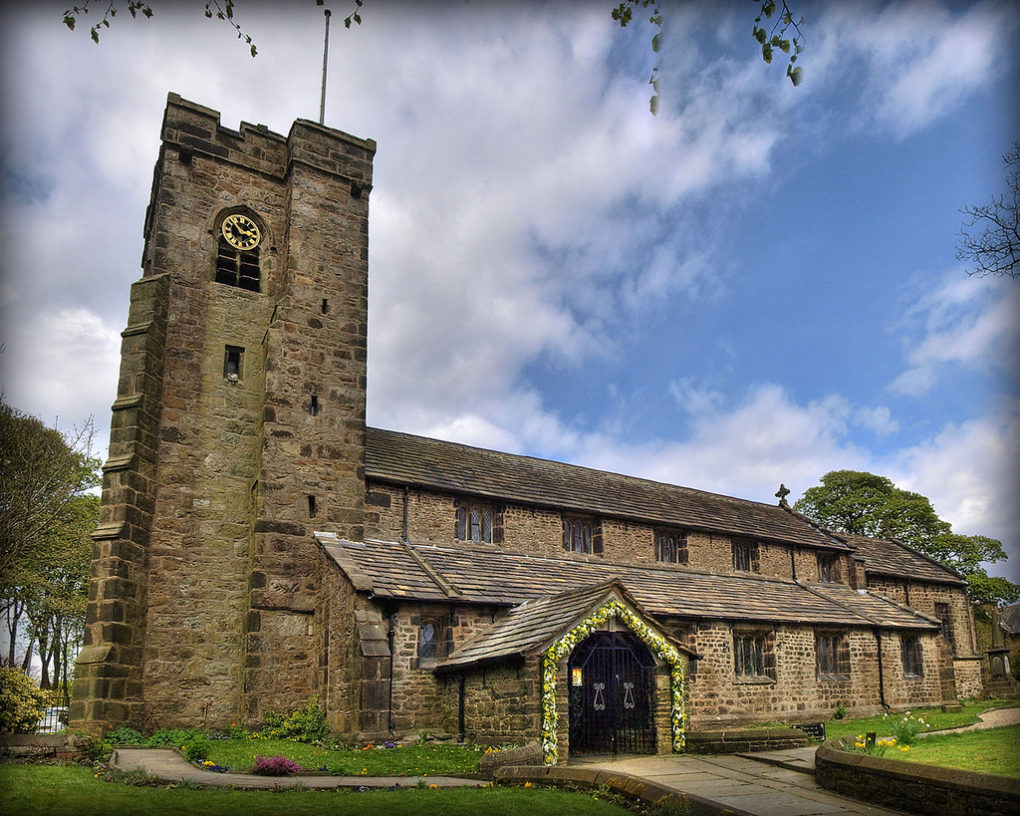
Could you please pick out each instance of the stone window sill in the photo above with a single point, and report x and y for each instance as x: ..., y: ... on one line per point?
x: 755, y: 681
x: 833, y: 678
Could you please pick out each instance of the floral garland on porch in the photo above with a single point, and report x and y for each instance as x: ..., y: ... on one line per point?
x: 566, y: 644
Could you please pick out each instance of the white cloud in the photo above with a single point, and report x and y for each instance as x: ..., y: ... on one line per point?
x: 910, y: 63
x: 62, y: 367
x: 970, y: 472
x: 971, y: 322
x: 877, y: 419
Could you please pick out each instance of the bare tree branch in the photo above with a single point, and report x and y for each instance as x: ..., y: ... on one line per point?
x: 996, y: 250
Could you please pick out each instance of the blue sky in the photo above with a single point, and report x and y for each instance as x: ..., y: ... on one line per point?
x: 757, y: 285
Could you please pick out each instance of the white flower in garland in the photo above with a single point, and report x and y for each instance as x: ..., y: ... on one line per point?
x: 566, y: 644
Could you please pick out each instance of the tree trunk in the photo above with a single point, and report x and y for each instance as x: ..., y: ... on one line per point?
x: 26, y: 664
x: 45, y: 653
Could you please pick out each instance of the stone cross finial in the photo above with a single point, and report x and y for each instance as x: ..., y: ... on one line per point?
x: 781, y: 494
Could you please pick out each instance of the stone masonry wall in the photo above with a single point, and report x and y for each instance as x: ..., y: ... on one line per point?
x: 502, y: 703
x: 797, y: 693
x: 312, y: 474
x: 108, y: 677
x: 430, y: 520
x: 421, y: 699
x: 923, y: 596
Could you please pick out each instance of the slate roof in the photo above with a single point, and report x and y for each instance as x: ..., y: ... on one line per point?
x: 405, y: 459
x: 534, y: 624
x: 886, y: 556
x: 387, y: 569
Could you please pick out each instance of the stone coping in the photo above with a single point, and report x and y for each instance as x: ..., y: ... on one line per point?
x: 741, y: 740
x: 618, y: 781
x: 913, y: 786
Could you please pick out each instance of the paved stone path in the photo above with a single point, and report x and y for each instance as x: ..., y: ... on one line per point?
x: 995, y: 718
x: 163, y: 763
x: 767, y: 783
x: 750, y: 785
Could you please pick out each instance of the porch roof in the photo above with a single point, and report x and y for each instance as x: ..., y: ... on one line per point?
x: 533, y: 625
x: 388, y: 569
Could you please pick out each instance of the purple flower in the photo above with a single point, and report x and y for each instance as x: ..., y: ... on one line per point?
x: 275, y: 766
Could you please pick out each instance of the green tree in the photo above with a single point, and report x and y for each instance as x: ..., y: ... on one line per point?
x: 858, y: 503
x: 46, y: 518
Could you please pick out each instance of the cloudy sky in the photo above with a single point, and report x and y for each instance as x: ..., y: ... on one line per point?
x: 756, y: 286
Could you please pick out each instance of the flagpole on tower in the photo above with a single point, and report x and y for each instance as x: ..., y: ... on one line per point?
x: 325, y: 57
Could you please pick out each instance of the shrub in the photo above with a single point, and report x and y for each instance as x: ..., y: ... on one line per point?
x: 308, y: 723
x: 196, y: 749
x: 274, y: 766
x: 305, y: 724
x: 125, y: 736
x: 88, y: 750
x: 22, y: 705
x: 840, y: 713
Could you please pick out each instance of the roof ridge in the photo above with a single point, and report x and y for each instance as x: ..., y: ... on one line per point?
x: 571, y: 465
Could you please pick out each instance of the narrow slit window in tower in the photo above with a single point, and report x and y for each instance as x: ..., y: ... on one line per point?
x: 232, y: 357
x: 313, y: 407
x: 325, y: 306
x: 311, y: 507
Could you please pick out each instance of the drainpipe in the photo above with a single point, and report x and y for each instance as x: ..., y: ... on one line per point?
x: 460, y: 707
x: 881, y: 676
x: 389, y: 701
x: 403, y: 534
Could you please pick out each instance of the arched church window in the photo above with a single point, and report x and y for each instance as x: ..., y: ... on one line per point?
x: 237, y: 256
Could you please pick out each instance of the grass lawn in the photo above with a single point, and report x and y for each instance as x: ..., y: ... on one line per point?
x: 71, y: 790
x: 935, y: 716
x: 995, y: 751
x: 410, y: 760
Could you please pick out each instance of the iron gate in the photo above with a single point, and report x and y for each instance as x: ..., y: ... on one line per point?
x: 611, y: 682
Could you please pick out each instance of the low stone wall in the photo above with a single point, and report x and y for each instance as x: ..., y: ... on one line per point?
x: 58, y: 746
x: 912, y: 786
x: 741, y: 740
x: 624, y: 783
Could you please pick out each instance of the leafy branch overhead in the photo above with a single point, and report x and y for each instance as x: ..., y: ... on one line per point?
x: 770, y: 41
x: 213, y: 9
x: 775, y: 38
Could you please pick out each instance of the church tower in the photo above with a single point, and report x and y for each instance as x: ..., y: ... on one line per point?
x: 238, y: 428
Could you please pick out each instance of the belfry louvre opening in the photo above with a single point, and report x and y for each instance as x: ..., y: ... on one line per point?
x: 236, y: 267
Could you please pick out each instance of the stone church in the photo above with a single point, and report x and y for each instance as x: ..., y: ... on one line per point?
x: 259, y: 545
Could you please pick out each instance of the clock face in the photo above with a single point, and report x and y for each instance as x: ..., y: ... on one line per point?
x: 241, y: 232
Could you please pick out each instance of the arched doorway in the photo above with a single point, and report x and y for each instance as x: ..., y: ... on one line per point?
x: 612, y: 699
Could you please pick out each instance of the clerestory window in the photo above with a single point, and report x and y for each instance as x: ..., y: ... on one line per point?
x: 671, y: 546
x: 477, y: 522
x: 745, y: 556
x: 582, y: 534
